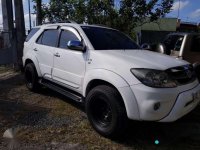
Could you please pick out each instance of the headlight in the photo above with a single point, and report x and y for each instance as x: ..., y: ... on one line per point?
x: 153, y: 78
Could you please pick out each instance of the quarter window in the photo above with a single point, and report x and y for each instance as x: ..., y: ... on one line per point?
x: 49, y: 38
x: 31, y: 34
x: 65, y: 37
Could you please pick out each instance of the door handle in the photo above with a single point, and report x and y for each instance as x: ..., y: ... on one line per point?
x: 57, y: 55
x: 35, y: 49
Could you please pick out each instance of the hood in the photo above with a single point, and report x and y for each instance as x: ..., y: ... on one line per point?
x: 143, y: 59
x: 121, y: 61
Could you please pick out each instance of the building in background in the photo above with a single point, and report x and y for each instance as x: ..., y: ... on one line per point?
x: 188, y: 26
x: 156, y: 31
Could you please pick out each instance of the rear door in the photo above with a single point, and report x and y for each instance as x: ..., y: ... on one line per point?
x: 44, y: 49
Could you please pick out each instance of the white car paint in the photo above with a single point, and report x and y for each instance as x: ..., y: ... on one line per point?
x: 76, y: 69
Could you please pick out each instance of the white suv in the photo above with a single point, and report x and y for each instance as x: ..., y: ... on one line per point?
x: 107, y: 71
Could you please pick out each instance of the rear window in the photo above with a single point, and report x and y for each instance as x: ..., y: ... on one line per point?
x: 196, y: 44
x: 31, y: 34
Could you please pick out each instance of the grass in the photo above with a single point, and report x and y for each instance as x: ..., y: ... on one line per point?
x: 5, y: 68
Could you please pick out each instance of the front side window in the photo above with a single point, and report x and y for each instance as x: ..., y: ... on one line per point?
x: 48, y: 37
x: 196, y: 44
x: 65, y: 37
x: 108, y: 39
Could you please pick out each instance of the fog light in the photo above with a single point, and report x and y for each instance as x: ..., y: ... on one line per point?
x: 156, y: 106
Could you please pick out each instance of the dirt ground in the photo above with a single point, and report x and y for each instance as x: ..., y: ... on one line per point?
x: 48, y: 120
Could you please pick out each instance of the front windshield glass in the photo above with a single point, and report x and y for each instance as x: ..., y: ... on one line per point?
x: 108, y: 39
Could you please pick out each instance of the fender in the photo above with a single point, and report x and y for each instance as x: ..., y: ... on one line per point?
x: 105, y: 75
x: 120, y: 84
x: 35, y: 61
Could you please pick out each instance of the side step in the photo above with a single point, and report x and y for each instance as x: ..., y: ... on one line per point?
x: 64, y: 91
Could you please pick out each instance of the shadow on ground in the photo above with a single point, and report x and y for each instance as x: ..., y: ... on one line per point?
x: 182, y: 134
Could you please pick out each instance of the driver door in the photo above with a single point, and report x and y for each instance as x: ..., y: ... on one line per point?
x: 69, y: 65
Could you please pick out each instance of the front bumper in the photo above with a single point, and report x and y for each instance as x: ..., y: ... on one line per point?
x: 174, y: 102
x: 185, y: 102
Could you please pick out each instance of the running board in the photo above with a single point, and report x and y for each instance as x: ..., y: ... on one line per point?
x: 64, y: 91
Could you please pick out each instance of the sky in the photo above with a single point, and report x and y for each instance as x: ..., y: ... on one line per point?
x: 189, y: 11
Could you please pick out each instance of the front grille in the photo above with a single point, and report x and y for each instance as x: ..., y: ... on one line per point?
x: 182, y: 74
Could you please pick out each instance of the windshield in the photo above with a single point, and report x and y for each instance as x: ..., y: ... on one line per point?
x: 108, y: 39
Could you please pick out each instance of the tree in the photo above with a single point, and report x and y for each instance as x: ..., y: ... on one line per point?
x: 39, y: 13
x: 64, y: 10
x: 125, y: 18
x: 137, y: 12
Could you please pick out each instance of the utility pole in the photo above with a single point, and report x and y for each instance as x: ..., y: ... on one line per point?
x: 9, y: 54
x: 179, y: 4
x: 20, y: 30
x: 39, y: 12
x: 29, y: 12
x: 7, y: 11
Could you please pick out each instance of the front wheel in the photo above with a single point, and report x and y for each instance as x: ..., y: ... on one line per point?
x: 106, y: 111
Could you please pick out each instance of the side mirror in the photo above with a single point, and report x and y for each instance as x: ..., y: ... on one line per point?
x: 161, y: 48
x: 76, y: 45
x: 146, y: 46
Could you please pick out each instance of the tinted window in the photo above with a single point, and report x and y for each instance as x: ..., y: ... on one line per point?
x: 105, y: 39
x: 49, y: 38
x: 196, y: 44
x: 65, y: 37
x: 39, y: 40
x: 32, y: 32
x: 171, y: 41
x: 178, y: 44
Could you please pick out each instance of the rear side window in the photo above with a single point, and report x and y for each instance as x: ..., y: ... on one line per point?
x: 31, y: 34
x: 48, y: 37
x: 196, y: 44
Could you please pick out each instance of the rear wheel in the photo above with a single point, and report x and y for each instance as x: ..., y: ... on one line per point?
x: 106, y: 111
x: 31, y: 77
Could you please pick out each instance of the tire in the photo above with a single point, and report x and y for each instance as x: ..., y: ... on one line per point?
x: 31, y: 77
x: 106, y: 111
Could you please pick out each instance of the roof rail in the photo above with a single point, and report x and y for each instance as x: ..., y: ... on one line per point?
x: 67, y: 21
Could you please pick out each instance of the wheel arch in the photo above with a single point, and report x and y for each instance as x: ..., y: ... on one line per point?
x: 105, y: 77
x: 96, y: 82
x: 35, y: 62
x: 97, y: 76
